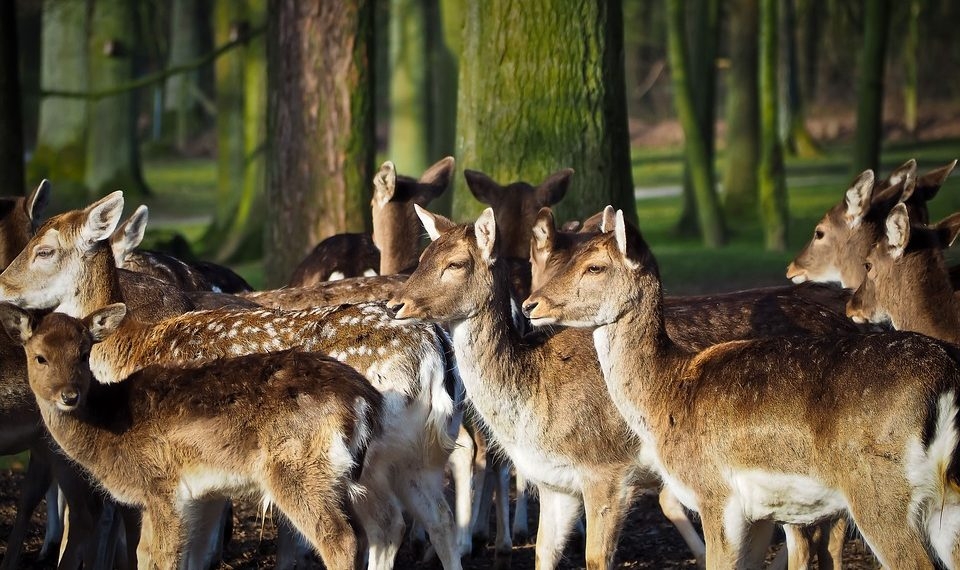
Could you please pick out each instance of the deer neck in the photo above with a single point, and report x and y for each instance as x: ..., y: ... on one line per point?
x: 639, y: 362
x: 400, y: 255
x: 97, y: 284
x: 933, y: 310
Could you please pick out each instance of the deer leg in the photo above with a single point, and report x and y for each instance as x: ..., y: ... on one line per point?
x: 204, y: 543
x: 521, y: 530
x: 35, y: 484
x: 461, y: 468
x: 558, y: 511
x: 84, y: 506
x: 504, y: 542
x: 674, y: 511
x: 895, y: 544
x: 166, y: 538
x: 293, y: 550
x: 724, y: 530
x: 423, y: 497
x: 606, y: 503
x: 56, y: 504
x: 379, y: 512
x: 833, y: 534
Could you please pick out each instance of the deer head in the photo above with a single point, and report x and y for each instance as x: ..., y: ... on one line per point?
x: 53, y: 261
x: 603, y: 275
x: 58, y: 350
x: 19, y: 217
x: 516, y: 205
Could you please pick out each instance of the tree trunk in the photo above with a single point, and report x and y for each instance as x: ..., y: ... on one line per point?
x: 409, y: 86
x: 910, y: 43
x: 229, y: 19
x: 771, y: 177
x: 814, y: 11
x: 11, y: 125
x: 545, y: 90
x: 113, y: 153
x: 799, y: 141
x: 703, y: 44
x: 320, y: 118
x: 697, y: 151
x: 179, y: 93
x: 60, y: 154
x: 866, y: 146
x: 743, y: 115
x: 444, y: 28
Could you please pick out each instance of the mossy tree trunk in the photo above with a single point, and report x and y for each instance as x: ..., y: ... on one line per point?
x: 743, y: 115
x: 180, y: 89
x: 320, y: 124
x: 230, y: 17
x: 113, y: 153
x: 60, y: 154
x: 703, y: 67
x: 799, y: 141
x: 11, y: 124
x: 445, y: 25
x: 699, y: 161
x: 410, y: 104
x: 545, y: 90
x: 910, y: 44
x: 873, y: 56
x: 771, y: 178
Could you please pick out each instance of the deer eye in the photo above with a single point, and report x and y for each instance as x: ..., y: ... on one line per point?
x: 868, y: 266
x: 44, y: 252
x: 41, y: 360
x: 818, y: 234
x: 596, y: 269
x: 456, y: 265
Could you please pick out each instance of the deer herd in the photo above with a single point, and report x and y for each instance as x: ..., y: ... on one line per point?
x: 340, y: 401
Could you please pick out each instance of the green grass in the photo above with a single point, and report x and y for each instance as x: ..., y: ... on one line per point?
x: 14, y: 462
x: 185, y: 198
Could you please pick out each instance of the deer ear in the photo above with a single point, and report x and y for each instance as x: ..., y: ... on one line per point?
x: 482, y: 187
x: 104, y: 322
x: 37, y: 201
x: 906, y: 170
x: 101, y: 219
x: 384, y: 183
x: 485, y: 229
x: 948, y: 229
x: 543, y: 231
x: 620, y: 232
x: 128, y: 235
x: 440, y: 174
x: 554, y: 188
x: 607, y: 219
x: 898, y: 230
x: 858, y: 198
x: 17, y: 322
x: 929, y: 183
x: 570, y: 226
x: 435, y: 224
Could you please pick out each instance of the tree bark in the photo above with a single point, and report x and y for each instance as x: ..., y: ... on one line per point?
x: 743, y: 114
x: 11, y: 124
x: 185, y: 46
x: 866, y: 146
x: 545, y: 90
x: 698, y: 159
x: 910, y: 44
x: 445, y: 25
x: 229, y: 18
x: 771, y: 177
x: 410, y: 101
x: 799, y: 141
x: 60, y: 154
x: 113, y: 152
x: 320, y: 120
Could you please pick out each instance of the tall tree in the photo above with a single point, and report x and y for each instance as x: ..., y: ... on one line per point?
x: 699, y: 161
x: 11, y: 125
x: 181, y: 89
x: 113, y: 154
x: 545, y: 90
x: 771, y: 178
x: 703, y: 80
x: 410, y: 101
x: 230, y: 19
x: 799, y: 141
x: 320, y: 124
x: 60, y: 153
x: 743, y: 113
x: 873, y: 56
x: 446, y: 31
x: 910, y: 43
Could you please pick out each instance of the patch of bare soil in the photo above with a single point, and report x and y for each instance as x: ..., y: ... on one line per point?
x: 648, y: 541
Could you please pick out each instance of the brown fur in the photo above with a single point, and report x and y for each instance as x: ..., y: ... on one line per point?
x: 271, y: 422
x: 838, y: 409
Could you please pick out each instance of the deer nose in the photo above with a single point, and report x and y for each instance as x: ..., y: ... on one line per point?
x: 70, y: 397
x: 528, y: 308
x: 394, y: 307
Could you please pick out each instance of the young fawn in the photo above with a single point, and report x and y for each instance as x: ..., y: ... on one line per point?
x: 289, y: 428
x: 907, y: 281
x: 787, y: 429
x: 525, y: 390
x: 69, y: 266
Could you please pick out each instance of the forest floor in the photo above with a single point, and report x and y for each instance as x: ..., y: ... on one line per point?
x: 648, y: 541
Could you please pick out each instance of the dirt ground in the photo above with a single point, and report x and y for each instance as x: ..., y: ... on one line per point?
x: 648, y: 541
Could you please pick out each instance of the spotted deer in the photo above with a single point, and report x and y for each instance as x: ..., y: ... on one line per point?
x: 395, y: 244
x: 68, y: 266
x: 907, y: 281
x: 870, y: 421
x: 290, y: 428
x: 525, y: 389
x: 845, y: 234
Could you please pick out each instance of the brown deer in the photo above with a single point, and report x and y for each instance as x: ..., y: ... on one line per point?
x: 290, y: 428
x: 869, y: 421
x: 69, y: 266
x: 845, y: 234
x: 395, y: 245
x: 19, y: 216
x: 907, y: 281
x: 525, y: 390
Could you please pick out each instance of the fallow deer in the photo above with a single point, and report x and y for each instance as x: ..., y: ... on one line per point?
x: 290, y: 428
x: 845, y: 234
x: 786, y: 429
x: 907, y: 281
x: 525, y: 392
x: 68, y: 267
x: 395, y: 244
